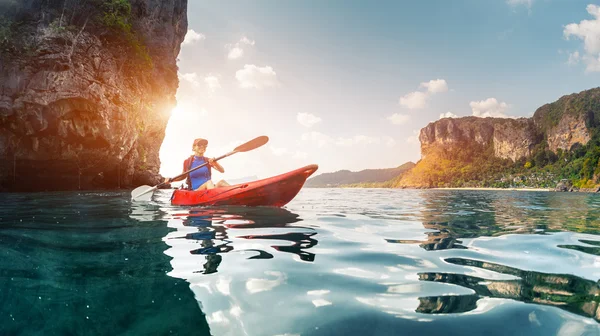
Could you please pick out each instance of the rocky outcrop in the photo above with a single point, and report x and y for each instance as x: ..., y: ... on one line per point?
x: 80, y: 105
x: 569, y: 131
x: 569, y: 120
x: 509, y: 138
x: 559, y: 125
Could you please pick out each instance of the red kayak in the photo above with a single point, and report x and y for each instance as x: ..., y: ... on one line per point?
x: 273, y: 191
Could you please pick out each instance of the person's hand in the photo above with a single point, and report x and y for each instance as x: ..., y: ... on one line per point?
x: 211, y: 162
x: 168, y: 180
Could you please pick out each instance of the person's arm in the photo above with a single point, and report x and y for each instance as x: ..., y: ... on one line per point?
x: 216, y: 165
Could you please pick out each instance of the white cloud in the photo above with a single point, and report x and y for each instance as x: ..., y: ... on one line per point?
x: 307, y: 119
x: 574, y: 58
x: 418, y: 99
x: 246, y: 40
x: 252, y: 76
x: 448, y: 115
x: 191, y: 78
x: 212, y: 82
x: 192, y: 37
x: 589, y: 32
x: 236, y: 51
x: 514, y: 3
x: 398, y: 118
x: 435, y: 86
x: 489, y: 108
x: 593, y: 64
x: 414, y: 100
x: 414, y: 138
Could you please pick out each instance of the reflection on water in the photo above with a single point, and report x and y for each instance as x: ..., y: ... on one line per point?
x: 452, y: 216
x: 209, y: 227
x: 564, y: 291
x: 235, y: 253
x: 333, y: 262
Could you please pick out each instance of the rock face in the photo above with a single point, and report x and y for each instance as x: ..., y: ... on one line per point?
x: 510, y: 138
x: 560, y: 125
x: 79, y: 107
x: 568, y: 120
x: 569, y: 131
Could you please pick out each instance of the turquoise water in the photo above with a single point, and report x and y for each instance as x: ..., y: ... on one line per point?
x: 332, y: 262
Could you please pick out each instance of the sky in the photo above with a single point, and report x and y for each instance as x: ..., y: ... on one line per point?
x: 349, y: 84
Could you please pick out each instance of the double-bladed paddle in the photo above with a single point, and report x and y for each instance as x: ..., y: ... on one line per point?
x: 144, y: 193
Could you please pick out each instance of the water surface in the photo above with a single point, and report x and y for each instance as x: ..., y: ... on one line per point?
x: 332, y: 262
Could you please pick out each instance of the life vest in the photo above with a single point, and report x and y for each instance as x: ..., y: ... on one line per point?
x: 187, y: 165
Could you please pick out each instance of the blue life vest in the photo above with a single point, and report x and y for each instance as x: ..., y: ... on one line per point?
x: 199, y: 176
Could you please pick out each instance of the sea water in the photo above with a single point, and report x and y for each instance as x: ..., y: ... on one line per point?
x: 332, y: 262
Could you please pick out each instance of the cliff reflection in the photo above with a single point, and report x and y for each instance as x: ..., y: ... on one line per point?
x: 452, y: 216
x: 568, y: 292
x: 215, y: 231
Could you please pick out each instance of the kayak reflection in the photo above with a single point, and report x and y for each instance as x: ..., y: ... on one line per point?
x: 254, y: 231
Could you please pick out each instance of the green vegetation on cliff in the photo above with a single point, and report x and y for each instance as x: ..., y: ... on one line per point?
x: 585, y: 104
x: 116, y: 14
x: 111, y: 20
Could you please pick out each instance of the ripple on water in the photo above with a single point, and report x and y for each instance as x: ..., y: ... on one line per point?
x: 333, y: 262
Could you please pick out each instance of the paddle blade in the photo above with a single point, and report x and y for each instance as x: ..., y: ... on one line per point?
x: 252, y: 144
x: 142, y: 194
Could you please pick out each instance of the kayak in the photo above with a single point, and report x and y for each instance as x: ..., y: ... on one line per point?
x: 273, y: 191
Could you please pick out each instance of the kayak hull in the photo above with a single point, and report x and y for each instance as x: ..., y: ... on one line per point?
x: 273, y: 191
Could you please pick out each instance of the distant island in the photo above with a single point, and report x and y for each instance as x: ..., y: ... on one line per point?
x: 363, y: 178
x: 558, y: 147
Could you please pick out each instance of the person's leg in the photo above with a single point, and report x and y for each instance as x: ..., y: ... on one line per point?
x: 222, y: 183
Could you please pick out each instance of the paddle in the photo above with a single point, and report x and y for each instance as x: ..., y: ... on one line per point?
x: 144, y: 193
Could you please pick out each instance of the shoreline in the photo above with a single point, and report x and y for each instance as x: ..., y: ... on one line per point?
x: 530, y: 189
x: 496, y: 189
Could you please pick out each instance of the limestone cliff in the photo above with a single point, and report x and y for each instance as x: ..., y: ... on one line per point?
x: 86, y: 88
x: 561, y: 124
x: 570, y: 119
x: 560, y: 142
x: 510, y: 138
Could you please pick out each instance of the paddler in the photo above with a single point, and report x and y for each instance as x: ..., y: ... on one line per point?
x: 200, y: 179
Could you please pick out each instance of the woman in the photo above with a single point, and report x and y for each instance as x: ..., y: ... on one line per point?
x: 200, y: 179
